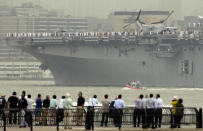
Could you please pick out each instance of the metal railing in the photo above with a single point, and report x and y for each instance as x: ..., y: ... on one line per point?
x: 74, y: 117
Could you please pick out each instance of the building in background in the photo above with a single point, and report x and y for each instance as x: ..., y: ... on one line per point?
x: 31, y: 18
x: 191, y: 23
x: 15, y: 64
x: 100, y: 24
x: 168, y: 5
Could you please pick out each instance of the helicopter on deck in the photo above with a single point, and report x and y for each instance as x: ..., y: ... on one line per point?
x: 155, y: 27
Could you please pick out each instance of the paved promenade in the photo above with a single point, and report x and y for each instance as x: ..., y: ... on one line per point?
x: 100, y: 129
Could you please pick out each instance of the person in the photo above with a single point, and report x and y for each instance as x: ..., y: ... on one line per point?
x: 119, y: 105
x: 137, y: 111
x: 13, y: 104
x: 53, y: 105
x: 80, y: 108
x: 2, y: 105
x: 30, y: 102
x: 24, y: 93
x: 105, y: 110
x: 138, y: 84
x: 179, y: 113
x: 68, y: 105
x: 173, y: 112
x: 143, y: 112
x: 158, y: 111
x: 60, y: 111
x: 22, y: 105
x: 38, y: 109
x: 112, y: 109
x: 28, y: 115
x: 6, y: 111
x: 150, y: 104
x: 46, y: 104
x: 89, y: 123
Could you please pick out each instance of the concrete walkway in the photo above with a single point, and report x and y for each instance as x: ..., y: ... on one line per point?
x: 98, y: 129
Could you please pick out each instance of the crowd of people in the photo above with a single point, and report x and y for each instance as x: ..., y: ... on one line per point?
x: 147, y: 111
x: 119, y: 35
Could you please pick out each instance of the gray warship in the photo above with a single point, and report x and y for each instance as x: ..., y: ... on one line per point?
x: 161, y: 57
x: 89, y: 59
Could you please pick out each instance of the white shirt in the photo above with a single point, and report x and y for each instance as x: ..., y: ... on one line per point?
x: 30, y: 103
x: 60, y: 104
x: 150, y: 103
x: 143, y: 103
x: 92, y: 102
x: 159, y: 103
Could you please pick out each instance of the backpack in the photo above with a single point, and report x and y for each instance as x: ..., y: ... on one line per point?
x: 111, y: 105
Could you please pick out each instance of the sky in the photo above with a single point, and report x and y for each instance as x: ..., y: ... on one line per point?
x: 101, y: 8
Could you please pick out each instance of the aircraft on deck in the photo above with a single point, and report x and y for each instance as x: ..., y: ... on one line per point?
x: 152, y: 27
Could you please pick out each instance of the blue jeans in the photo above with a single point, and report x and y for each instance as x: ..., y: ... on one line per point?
x: 22, y: 118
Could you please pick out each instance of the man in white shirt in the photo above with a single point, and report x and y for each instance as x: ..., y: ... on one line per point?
x: 60, y: 103
x: 150, y: 104
x: 30, y: 102
x: 158, y: 111
x: 143, y: 111
x: 60, y: 111
x: 92, y: 102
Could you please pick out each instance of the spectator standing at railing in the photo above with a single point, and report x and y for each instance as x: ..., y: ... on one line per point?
x: 158, y: 111
x: 137, y: 111
x: 60, y: 110
x: 13, y: 104
x: 46, y: 104
x: 112, y: 110
x: 143, y: 112
x: 38, y: 109
x: 173, y: 111
x: 89, y: 123
x: 2, y: 105
x: 30, y: 102
x: 119, y: 105
x: 105, y: 110
x: 80, y: 108
x: 150, y: 104
x: 22, y: 105
x: 179, y: 113
x: 68, y: 106
x: 53, y: 105
x: 24, y: 93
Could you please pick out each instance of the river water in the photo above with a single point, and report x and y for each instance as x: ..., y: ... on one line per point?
x: 193, y: 97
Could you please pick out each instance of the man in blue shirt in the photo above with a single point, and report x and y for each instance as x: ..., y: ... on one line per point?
x: 119, y: 105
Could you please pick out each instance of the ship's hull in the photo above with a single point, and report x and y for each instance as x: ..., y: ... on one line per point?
x: 90, y: 66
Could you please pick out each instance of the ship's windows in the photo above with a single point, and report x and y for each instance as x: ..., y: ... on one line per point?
x: 186, y: 66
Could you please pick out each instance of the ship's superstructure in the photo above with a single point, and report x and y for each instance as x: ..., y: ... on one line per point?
x: 113, y: 59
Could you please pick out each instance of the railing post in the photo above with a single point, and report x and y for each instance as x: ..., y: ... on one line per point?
x: 4, y: 119
x: 31, y: 122
x: 57, y: 120
x: 200, y: 118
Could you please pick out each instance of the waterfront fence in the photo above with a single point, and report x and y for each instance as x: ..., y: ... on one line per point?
x: 57, y: 117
